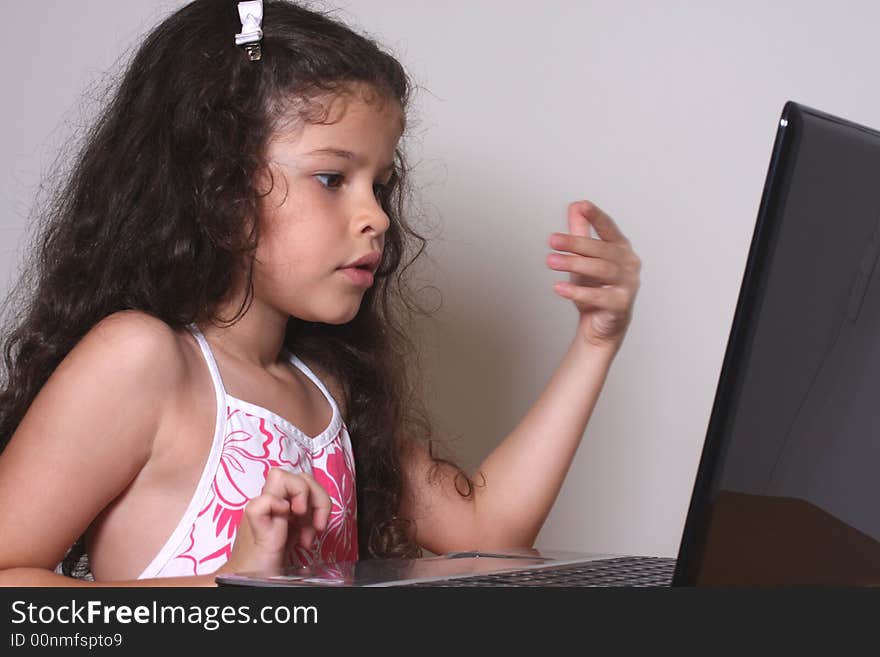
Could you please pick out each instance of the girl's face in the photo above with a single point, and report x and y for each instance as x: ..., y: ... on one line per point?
x: 323, y: 212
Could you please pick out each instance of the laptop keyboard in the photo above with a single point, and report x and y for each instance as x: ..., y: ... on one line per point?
x: 619, y: 571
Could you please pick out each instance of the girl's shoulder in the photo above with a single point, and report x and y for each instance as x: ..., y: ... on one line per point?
x: 136, y: 342
x: 136, y: 362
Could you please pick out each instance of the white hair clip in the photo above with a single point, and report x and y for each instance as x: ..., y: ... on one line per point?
x: 251, y: 15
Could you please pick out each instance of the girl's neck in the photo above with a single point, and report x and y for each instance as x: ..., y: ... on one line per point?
x: 257, y: 338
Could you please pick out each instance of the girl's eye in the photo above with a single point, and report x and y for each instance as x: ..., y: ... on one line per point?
x: 333, y: 176
x: 334, y: 182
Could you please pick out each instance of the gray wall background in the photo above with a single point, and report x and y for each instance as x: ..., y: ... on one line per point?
x: 663, y: 113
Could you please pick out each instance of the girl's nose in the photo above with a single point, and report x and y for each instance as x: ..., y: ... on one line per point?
x: 373, y: 219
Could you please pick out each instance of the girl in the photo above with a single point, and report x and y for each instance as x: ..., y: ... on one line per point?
x: 210, y: 371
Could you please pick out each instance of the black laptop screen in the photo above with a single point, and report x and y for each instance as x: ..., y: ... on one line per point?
x: 788, y: 491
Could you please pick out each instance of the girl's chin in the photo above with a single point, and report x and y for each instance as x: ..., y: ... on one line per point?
x: 340, y: 322
x: 336, y: 316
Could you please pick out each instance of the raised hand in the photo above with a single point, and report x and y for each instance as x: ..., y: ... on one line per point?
x: 604, y: 273
x: 292, y: 508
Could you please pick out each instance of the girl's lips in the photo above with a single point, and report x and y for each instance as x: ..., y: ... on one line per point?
x: 358, y: 276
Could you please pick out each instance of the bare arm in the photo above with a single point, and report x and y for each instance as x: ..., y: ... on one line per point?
x: 85, y: 437
x: 521, y: 478
x: 523, y: 475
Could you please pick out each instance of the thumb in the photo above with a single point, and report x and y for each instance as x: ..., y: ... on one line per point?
x: 577, y: 219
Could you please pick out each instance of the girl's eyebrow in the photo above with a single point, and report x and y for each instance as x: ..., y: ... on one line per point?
x: 348, y: 155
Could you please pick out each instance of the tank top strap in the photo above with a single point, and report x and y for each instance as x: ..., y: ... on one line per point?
x: 217, y: 380
x: 305, y: 369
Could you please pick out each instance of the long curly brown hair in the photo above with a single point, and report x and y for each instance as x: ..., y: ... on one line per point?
x: 152, y: 217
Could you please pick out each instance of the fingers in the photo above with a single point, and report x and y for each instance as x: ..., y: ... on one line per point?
x: 306, y: 499
x: 597, y: 270
x: 611, y: 245
x: 310, y: 497
x: 603, y: 273
x: 582, y: 214
x: 267, y: 507
x: 292, y: 508
x: 609, y: 260
x: 320, y: 503
x: 600, y: 265
x: 593, y: 248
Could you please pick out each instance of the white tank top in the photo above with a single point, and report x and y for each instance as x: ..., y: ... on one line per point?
x: 248, y: 440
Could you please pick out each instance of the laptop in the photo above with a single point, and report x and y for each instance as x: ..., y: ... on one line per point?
x: 787, y: 490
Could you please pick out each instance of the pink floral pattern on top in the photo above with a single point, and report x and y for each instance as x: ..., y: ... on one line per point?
x: 253, y: 444
x: 339, y: 541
